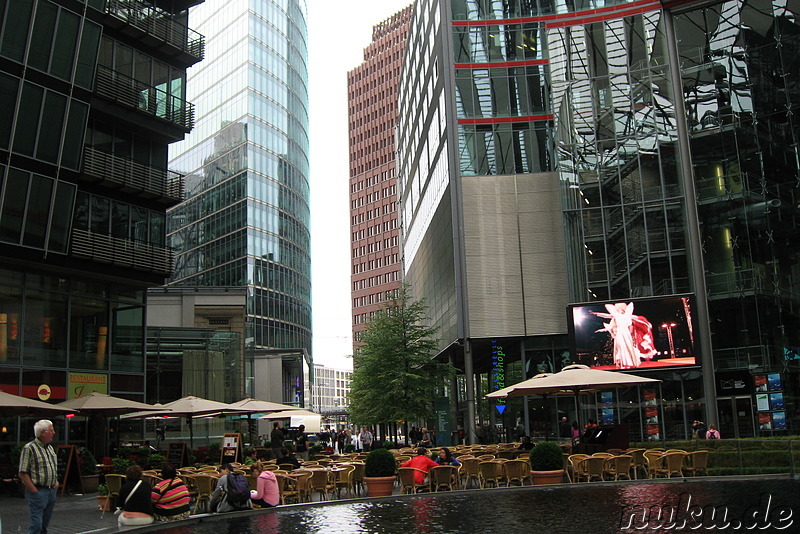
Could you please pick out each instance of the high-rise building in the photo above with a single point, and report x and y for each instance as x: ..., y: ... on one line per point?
x: 573, y: 176
x: 372, y: 108
x: 331, y: 391
x: 92, y: 92
x: 245, y: 221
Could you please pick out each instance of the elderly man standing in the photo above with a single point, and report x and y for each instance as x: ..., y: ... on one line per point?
x: 38, y: 472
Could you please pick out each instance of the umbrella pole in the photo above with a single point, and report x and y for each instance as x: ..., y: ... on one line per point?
x: 578, y: 408
x: 546, y: 418
x: 191, y: 435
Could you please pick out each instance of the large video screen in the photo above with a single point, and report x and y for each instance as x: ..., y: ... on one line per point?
x: 634, y: 333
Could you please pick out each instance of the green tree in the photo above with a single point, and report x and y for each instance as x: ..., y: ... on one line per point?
x: 395, y: 375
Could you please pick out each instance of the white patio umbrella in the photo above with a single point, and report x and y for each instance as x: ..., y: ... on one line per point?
x: 250, y: 406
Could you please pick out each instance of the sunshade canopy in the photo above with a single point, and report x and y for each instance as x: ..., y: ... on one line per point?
x: 13, y: 405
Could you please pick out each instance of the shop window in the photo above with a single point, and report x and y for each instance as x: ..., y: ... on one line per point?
x: 44, y: 334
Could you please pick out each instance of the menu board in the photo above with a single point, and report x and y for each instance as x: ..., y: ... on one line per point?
x: 176, y: 454
x: 231, y: 448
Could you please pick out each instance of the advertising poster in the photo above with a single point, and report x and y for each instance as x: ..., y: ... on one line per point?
x: 607, y: 416
x: 653, y: 432
x: 649, y: 397
x: 774, y: 381
x: 779, y: 421
x: 776, y: 401
x: 651, y: 415
x: 633, y: 334
x: 760, y: 383
x: 762, y: 402
x: 764, y: 421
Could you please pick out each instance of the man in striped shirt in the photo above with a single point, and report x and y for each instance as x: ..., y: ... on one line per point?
x: 38, y: 472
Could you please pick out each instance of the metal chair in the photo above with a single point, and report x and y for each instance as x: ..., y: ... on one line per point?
x: 443, y: 476
x: 408, y: 484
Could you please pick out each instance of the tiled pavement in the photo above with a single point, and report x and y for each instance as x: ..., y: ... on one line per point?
x: 73, y: 514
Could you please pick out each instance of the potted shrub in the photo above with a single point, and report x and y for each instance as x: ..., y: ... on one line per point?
x: 103, y: 500
x: 90, y: 474
x: 547, y: 463
x: 379, y: 471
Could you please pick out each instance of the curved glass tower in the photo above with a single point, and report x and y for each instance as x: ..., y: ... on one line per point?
x: 246, y: 218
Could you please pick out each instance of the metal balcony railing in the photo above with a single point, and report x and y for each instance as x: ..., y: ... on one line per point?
x: 123, y: 252
x: 159, y: 24
x: 145, y: 98
x: 131, y: 175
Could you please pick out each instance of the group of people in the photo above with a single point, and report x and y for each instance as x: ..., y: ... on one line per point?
x: 423, y: 463
x: 422, y: 437
x: 699, y: 431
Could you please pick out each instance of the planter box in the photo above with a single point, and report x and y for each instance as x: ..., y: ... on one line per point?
x: 379, y: 486
x: 541, y: 478
x: 90, y: 483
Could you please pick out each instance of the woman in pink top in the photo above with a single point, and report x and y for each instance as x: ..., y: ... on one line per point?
x: 267, y: 493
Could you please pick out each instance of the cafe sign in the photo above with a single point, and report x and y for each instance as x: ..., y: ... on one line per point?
x: 82, y: 384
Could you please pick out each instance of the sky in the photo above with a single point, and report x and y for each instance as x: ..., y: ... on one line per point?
x: 338, y: 32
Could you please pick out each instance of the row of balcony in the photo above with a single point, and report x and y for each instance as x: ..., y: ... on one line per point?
x: 153, y: 101
x: 131, y: 176
x: 156, y: 27
x: 121, y: 252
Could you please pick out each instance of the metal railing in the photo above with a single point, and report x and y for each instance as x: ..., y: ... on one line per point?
x: 158, y: 23
x: 123, y: 252
x: 145, y: 98
x: 131, y: 174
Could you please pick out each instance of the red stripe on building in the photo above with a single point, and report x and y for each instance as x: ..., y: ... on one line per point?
x: 600, y: 18
x: 498, y: 120
x: 502, y: 64
x: 559, y: 16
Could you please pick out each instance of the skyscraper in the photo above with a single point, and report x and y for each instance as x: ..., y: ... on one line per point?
x: 569, y: 171
x: 372, y: 106
x: 92, y: 93
x: 245, y: 221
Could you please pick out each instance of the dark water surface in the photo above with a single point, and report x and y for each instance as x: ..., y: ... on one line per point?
x: 740, y: 505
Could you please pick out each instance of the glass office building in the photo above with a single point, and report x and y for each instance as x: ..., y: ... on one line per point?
x: 92, y: 92
x: 663, y: 135
x: 245, y: 221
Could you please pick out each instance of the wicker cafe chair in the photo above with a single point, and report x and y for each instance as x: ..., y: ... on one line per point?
x: 594, y: 466
x: 653, y: 461
x: 619, y: 466
x: 303, y: 479
x: 344, y: 480
x: 114, y: 483
x: 205, y: 487
x: 491, y: 473
x: 578, y: 467
x: 320, y: 483
x: 470, y: 470
x: 638, y: 461
x: 288, y: 487
x: 358, y: 477
x: 407, y: 483
x: 695, y: 462
x: 517, y: 471
x: 672, y: 464
x: 443, y: 476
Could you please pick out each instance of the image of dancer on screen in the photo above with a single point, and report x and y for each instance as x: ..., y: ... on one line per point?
x: 632, y: 335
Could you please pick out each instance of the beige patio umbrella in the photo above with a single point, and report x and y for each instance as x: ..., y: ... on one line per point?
x: 288, y: 414
x: 189, y: 407
x: 13, y: 405
x: 575, y: 378
x: 99, y: 406
x: 250, y: 406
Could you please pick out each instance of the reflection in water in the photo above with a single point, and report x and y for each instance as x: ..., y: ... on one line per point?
x: 579, y: 508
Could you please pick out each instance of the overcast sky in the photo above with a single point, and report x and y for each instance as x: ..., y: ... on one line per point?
x: 338, y: 32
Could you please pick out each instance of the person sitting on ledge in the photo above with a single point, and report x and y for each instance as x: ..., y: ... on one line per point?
x: 267, y: 493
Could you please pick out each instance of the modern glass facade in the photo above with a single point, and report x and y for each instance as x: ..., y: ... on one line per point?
x: 670, y: 132
x: 246, y: 218
x: 92, y: 93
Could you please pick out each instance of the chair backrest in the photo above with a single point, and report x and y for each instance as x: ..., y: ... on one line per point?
x: 674, y: 460
x: 516, y: 468
x: 490, y: 469
x: 575, y: 460
x: 637, y: 454
x: 205, y: 483
x: 114, y: 482
x: 358, y: 472
x: 619, y: 464
x: 471, y: 466
x: 319, y: 478
x: 406, y: 475
x: 595, y: 465
x: 486, y: 457
x: 603, y: 454
x: 442, y: 474
x: 699, y: 459
x: 347, y: 474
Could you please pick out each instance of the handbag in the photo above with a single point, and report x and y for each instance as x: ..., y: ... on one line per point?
x: 119, y: 510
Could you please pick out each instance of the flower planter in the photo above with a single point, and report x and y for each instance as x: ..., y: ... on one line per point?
x: 104, y: 503
x: 89, y: 483
x: 379, y: 486
x: 547, y: 477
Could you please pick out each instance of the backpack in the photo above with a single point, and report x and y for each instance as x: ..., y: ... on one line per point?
x: 238, y: 490
x: 712, y: 434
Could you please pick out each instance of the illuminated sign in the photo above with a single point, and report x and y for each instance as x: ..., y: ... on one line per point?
x: 498, y: 373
